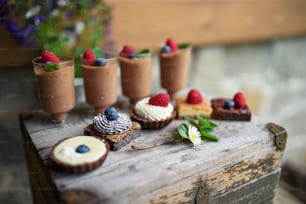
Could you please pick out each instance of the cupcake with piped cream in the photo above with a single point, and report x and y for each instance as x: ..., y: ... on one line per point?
x: 116, y: 128
x: 154, y: 112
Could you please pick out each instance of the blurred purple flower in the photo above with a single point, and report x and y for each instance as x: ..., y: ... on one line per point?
x: 11, y: 26
x: 69, y: 14
x: 38, y: 19
x: 3, y: 2
x: 51, y: 4
x: 25, y: 36
x: 69, y: 29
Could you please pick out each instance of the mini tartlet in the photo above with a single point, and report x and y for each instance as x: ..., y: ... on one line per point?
x: 79, y: 154
x: 192, y: 105
x: 153, y: 112
x: 116, y: 128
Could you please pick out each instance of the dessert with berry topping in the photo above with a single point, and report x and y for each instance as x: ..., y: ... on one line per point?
x: 136, y: 73
x: 192, y: 105
x: 100, y: 79
x: 231, y: 109
x: 55, y: 83
x: 174, y: 65
x: 79, y: 154
x: 116, y: 128
x: 154, y: 112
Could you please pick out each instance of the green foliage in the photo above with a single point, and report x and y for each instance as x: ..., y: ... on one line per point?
x: 51, y: 67
x: 202, y: 124
x: 183, y: 45
x: 183, y: 131
x: 60, y: 34
x: 143, y: 53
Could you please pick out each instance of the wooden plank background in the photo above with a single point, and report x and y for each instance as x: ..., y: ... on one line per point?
x: 147, y: 23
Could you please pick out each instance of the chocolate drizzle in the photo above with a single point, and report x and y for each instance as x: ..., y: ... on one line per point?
x: 108, y: 127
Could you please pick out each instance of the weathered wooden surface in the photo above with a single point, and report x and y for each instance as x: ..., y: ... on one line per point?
x: 244, y: 161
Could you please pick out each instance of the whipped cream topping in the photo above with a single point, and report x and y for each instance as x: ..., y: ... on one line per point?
x: 151, y: 112
x: 66, y: 150
x: 108, y: 127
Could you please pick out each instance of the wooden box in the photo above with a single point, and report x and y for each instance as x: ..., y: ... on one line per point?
x: 242, y: 167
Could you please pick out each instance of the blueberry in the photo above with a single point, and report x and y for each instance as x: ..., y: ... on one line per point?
x: 111, y: 113
x: 82, y: 149
x: 100, y: 62
x: 133, y: 55
x: 165, y: 48
x: 112, y: 116
x: 110, y: 109
x: 229, y: 104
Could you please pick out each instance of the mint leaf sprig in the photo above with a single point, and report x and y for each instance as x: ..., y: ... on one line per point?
x: 50, y: 67
x: 203, y: 125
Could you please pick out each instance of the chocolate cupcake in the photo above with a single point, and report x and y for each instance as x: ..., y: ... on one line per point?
x: 79, y: 154
x: 116, y: 128
x: 154, y: 112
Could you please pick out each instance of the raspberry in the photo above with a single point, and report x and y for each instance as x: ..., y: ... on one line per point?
x: 161, y: 99
x: 194, y: 97
x: 127, y: 49
x: 48, y: 56
x: 89, y: 54
x: 239, y: 100
x: 172, y: 44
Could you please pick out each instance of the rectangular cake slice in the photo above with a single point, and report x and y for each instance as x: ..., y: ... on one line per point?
x: 192, y: 110
x: 220, y: 113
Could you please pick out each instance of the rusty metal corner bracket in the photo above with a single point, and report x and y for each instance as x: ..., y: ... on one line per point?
x: 202, y: 195
x: 280, y: 134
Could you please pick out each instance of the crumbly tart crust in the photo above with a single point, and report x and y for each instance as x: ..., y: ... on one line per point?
x: 116, y: 141
x: 79, y: 168
x: 146, y: 124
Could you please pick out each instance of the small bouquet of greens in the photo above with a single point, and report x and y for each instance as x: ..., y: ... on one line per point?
x: 197, y: 129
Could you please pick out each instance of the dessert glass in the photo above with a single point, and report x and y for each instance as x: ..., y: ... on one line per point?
x: 174, y: 70
x: 56, y: 88
x: 136, y: 76
x: 100, y: 82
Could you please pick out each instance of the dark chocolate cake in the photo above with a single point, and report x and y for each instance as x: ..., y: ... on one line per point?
x: 234, y: 114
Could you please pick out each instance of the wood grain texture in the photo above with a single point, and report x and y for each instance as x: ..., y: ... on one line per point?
x: 168, y: 173
x: 148, y: 23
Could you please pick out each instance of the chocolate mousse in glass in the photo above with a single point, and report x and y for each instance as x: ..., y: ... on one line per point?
x: 136, y: 75
x: 55, y: 87
x: 100, y: 81
x: 174, y: 67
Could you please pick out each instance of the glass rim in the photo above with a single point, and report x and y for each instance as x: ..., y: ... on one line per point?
x: 140, y: 55
x: 113, y: 56
x: 69, y: 59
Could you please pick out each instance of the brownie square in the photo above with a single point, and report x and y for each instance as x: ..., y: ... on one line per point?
x: 116, y: 141
x: 220, y: 113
